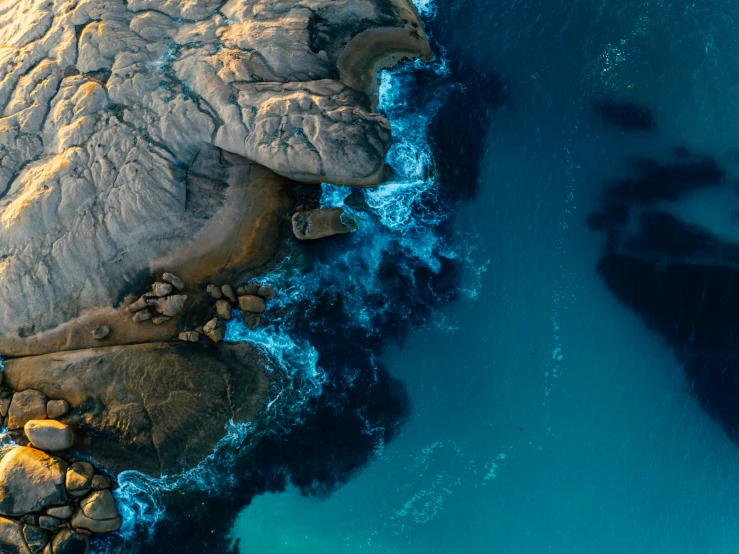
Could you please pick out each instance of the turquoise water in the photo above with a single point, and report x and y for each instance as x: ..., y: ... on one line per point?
x: 545, y: 416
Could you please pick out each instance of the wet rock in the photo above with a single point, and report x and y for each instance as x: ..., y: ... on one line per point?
x: 223, y: 309
x: 99, y: 505
x: 60, y: 512
x: 250, y: 289
x: 100, y: 333
x: 252, y: 303
x: 253, y: 322
x: 214, y: 291
x: 36, y: 538
x: 143, y: 315
x: 189, y: 336
x: 30, y: 481
x: 67, y: 541
x: 56, y: 408
x: 173, y: 280
x: 161, y: 289
x: 11, y: 537
x: 160, y: 319
x: 79, y: 478
x: 321, y: 223
x: 25, y: 406
x: 214, y: 330
x: 268, y: 293
x: 4, y: 406
x: 49, y: 434
x: 169, y: 306
x: 137, y: 306
x: 100, y: 482
x: 228, y: 292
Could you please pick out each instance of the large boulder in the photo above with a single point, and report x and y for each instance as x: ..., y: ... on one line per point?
x: 30, y: 481
x: 153, y: 407
x: 117, y: 114
x: 25, y: 406
x: 321, y: 223
x: 49, y: 435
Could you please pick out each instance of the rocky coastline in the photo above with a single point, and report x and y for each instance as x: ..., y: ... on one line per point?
x: 150, y: 158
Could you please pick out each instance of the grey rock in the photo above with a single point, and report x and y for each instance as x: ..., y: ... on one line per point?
x: 214, y: 330
x: 36, y: 538
x: 169, y: 306
x: 214, y: 291
x: 49, y: 434
x: 173, y: 280
x: 100, y: 333
x: 81, y: 521
x: 143, y: 315
x: 78, y: 480
x: 25, y: 406
x: 11, y: 537
x: 252, y: 303
x: 56, y: 408
x: 30, y: 481
x: 189, y: 336
x: 161, y: 289
x: 268, y: 293
x: 228, y: 292
x: 321, y: 223
x: 67, y: 541
x: 158, y: 320
x: 4, y: 406
x: 137, y: 306
x: 99, y: 505
x: 100, y: 482
x: 61, y: 512
x: 49, y: 523
x: 223, y: 309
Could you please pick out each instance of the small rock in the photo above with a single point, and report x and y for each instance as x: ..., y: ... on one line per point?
x: 25, y: 406
x: 4, y: 406
x: 214, y: 330
x: 143, y: 315
x: 36, y: 537
x: 160, y: 319
x: 321, y: 223
x: 240, y: 291
x: 169, y: 306
x: 175, y: 281
x: 228, y: 292
x: 99, y: 505
x: 67, y: 541
x: 268, y: 293
x: 79, y: 478
x: 214, y: 291
x: 30, y: 519
x: 49, y: 434
x: 253, y: 322
x: 252, y: 303
x: 49, y: 522
x: 189, y: 336
x: 251, y: 288
x: 56, y: 408
x: 161, y: 289
x: 100, y: 482
x: 137, y: 306
x: 100, y: 333
x: 61, y: 512
x: 223, y: 308
x: 200, y: 330
x: 81, y: 521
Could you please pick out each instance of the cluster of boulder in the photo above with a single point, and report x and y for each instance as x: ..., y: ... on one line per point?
x: 251, y: 299
x: 162, y: 303
x: 50, y: 502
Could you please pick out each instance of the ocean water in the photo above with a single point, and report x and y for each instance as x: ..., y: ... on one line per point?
x: 544, y: 414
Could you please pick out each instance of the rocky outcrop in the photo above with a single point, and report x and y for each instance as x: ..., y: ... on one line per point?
x: 30, y: 481
x: 321, y: 223
x: 153, y: 407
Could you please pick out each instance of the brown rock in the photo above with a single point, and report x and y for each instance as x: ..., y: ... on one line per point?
x: 268, y: 293
x: 80, y: 521
x: 25, y: 406
x: 30, y: 481
x: 49, y: 434
x: 223, y: 309
x: 214, y: 330
x: 149, y: 398
x: 61, y: 512
x: 67, y: 541
x: 79, y: 478
x: 158, y: 320
x: 99, y: 505
x: 228, y: 292
x: 143, y: 315
x: 252, y: 303
x: 214, y: 291
x: 173, y: 280
x: 321, y: 223
x: 4, y: 406
x: 253, y: 322
x: 250, y: 289
x: 11, y: 537
x: 100, y: 333
x: 56, y: 408
x: 36, y: 538
x: 137, y: 306
x: 100, y: 482
x: 169, y: 306
x: 161, y: 289
x: 189, y: 336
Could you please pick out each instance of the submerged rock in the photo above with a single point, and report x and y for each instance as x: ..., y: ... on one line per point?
x: 321, y: 223
x: 30, y: 481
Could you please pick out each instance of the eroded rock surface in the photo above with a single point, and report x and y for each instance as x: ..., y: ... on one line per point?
x: 154, y: 407
x: 114, y: 116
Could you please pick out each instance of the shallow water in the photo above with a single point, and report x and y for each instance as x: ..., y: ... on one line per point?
x: 546, y: 416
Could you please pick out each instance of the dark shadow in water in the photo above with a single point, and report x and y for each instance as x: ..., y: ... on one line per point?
x: 626, y: 116
x: 682, y: 280
x: 362, y: 405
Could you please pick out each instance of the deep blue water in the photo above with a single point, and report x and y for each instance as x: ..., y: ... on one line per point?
x: 510, y: 355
